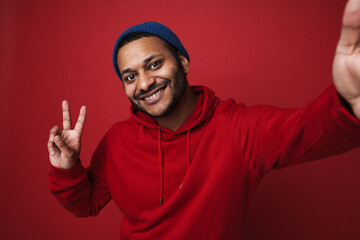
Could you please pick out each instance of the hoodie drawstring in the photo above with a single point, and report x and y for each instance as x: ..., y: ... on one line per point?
x: 161, y: 167
x: 161, y: 161
x: 188, y: 147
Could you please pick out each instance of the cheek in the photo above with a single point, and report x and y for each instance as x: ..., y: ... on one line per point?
x: 166, y: 72
x: 130, y: 91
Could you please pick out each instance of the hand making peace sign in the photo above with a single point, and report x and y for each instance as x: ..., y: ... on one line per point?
x: 64, y: 144
x: 346, y: 67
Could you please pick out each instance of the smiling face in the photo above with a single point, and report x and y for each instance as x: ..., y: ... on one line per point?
x: 153, y: 80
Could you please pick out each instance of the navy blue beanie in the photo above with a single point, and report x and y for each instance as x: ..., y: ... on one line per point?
x: 157, y: 29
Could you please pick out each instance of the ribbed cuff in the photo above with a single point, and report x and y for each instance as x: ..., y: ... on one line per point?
x: 65, y: 176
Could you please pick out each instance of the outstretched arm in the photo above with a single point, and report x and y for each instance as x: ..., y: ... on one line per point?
x: 346, y: 67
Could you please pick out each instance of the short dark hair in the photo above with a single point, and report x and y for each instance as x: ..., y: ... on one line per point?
x: 137, y: 35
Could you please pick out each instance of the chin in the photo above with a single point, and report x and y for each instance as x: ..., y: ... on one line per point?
x: 159, y: 113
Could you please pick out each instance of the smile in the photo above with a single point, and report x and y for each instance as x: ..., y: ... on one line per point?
x: 154, y: 96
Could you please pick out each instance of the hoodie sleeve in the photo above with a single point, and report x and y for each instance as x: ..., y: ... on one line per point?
x: 276, y: 138
x: 84, y: 192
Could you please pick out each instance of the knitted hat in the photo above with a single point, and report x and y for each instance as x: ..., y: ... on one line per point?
x: 156, y: 29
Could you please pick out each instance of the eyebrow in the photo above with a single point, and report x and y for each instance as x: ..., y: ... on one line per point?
x: 126, y: 71
x: 147, y: 60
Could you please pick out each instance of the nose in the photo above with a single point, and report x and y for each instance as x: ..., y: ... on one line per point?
x: 145, y: 81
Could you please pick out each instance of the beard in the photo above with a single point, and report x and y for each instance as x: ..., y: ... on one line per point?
x: 178, y: 87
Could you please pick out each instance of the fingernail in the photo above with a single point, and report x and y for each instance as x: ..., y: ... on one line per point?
x: 51, y: 138
x: 52, y: 153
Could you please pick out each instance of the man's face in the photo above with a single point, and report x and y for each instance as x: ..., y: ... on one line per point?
x: 152, y: 79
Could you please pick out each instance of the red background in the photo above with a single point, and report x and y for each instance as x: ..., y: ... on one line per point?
x: 274, y: 52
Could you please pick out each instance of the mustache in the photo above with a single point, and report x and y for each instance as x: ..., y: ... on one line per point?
x: 151, y: 88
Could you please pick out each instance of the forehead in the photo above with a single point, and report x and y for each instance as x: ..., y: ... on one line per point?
x: 135, y: 52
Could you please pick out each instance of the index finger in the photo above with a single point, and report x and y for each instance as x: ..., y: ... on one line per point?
x: 79, y: 126
x: 66, y: 115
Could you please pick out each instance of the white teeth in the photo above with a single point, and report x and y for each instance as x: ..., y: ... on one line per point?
x: 153, y: 96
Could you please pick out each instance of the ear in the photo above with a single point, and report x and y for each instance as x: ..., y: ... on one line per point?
x: 185, y: 63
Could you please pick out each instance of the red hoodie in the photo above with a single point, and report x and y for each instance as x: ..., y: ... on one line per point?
x: 196, y: 182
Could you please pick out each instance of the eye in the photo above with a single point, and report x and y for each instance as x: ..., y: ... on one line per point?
x: 155, y: 65
x: 129, y: 78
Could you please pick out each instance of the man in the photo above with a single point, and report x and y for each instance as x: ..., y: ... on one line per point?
x: 186, y: 164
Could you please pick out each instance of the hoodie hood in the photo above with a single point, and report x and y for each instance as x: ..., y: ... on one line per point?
x: 205, y: 107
